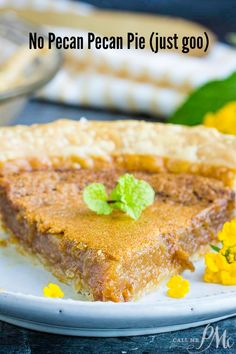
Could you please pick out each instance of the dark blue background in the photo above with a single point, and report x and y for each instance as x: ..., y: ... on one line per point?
x: 220, y: 16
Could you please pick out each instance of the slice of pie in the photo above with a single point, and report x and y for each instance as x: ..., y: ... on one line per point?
x: 110, y: 257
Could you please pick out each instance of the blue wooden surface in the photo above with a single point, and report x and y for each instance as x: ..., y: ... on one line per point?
x: 17, y: 341
x: 220, y: 16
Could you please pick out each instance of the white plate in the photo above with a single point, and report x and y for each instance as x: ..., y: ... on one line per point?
x: 22, y: 303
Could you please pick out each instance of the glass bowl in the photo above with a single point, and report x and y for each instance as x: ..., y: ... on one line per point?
x: 23, y: 71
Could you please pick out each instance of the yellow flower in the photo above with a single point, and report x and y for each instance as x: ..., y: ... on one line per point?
x: 223, y: 273
x: 233, y: 268
x: 210, y: 277
x: 228, y: 234
x: 216, y: 262
x: 221, y: 266
x: 53, y: 290
x: 210, y: 260
x: 178, y: 287
x: 224, y: 119
x: 227, y: 278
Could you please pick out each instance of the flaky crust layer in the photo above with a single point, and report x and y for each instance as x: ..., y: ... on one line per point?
x: 134, y: 145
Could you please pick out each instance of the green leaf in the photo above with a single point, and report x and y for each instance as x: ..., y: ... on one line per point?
x: 95, y: 197
x: 133, y: 211
x: 132, y: 196
x: 231, y: 38
x: 215, y: 248
x: 208, y: 98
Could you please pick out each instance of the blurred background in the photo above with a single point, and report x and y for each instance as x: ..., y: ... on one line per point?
x: 217, y: 15
x: 110, y: 84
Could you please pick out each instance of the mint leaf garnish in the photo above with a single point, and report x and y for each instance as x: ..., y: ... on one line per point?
x: 95, y: 197
x: 130, y: 195
x: 208, y: 98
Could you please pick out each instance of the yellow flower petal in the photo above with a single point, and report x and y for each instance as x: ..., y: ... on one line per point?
x: 209, y: 276
x: 209, y: 120
x: 221, y: 262
x: 233, y: 269
x: 174, y: 281
x: 211, y: 262
x: 228, y: 234
x: 225, y: 277
x: 53, y: 291
x: 178, y: 287
x: 224, y: 119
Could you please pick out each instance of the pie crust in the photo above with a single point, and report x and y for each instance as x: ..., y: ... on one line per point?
x: 133, y: 145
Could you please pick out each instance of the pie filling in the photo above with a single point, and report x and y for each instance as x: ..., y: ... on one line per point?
x: 113, y: 257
